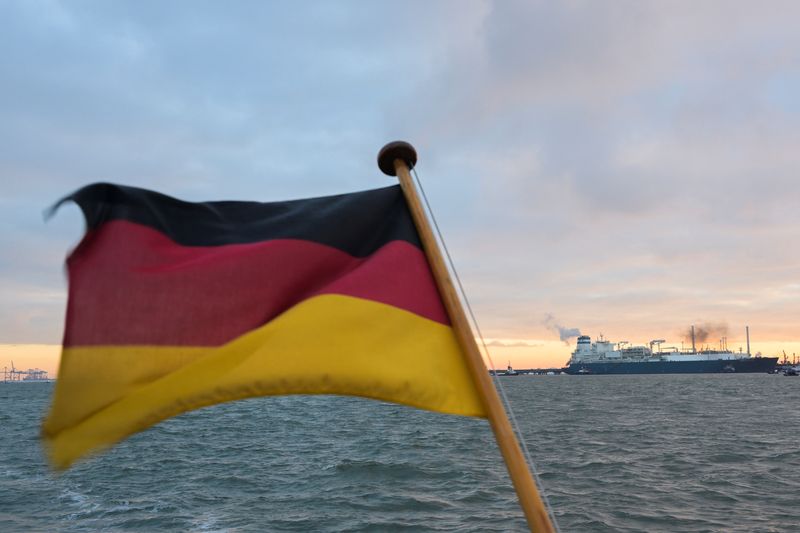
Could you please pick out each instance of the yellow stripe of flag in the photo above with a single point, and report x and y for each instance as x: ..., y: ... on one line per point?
x: 329, y: 344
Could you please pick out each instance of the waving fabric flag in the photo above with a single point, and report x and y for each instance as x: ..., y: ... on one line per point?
x: 176, y: 305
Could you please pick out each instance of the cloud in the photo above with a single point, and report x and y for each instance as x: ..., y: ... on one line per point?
x: 513, y: 344
x: 631, y: 109
x: 600, y: 162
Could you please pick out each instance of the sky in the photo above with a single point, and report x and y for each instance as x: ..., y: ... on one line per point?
x: 627, y: 168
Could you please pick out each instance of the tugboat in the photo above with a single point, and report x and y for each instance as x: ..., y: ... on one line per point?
x: 510, y: 371
x: 789, y: 369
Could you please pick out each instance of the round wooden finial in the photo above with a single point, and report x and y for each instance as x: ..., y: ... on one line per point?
x: 396, y: 150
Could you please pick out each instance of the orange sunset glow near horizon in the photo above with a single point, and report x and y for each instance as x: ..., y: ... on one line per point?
x: 520, y: 353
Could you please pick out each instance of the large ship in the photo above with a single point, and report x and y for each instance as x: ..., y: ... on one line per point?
x: 606, y: 357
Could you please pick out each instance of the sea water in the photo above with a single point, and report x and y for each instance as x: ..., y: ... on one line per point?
x: 614, y: 453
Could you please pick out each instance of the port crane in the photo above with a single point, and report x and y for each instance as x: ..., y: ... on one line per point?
x: 32, y: 374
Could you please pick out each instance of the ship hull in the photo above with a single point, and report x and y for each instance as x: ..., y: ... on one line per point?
x: 717, y: 366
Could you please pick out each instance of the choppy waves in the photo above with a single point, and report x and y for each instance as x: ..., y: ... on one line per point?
x: 615, y: 453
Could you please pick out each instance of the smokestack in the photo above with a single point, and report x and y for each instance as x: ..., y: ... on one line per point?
x: 694, y: 350
x: 747, y: 330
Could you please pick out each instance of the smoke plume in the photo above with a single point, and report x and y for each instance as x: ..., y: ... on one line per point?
x: 705, y: 332
x: 565, y: 334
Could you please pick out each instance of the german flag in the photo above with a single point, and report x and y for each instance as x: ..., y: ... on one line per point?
x: 176, y: 305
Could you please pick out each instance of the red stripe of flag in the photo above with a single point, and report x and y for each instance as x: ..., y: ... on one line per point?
x: 131, y: 285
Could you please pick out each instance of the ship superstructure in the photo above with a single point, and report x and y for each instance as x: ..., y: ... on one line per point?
x: 606, y: 357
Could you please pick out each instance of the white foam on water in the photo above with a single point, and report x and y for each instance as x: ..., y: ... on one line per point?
x: 74, y: 498
x: 209, y: 522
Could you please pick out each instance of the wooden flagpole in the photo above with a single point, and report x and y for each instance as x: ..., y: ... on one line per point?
x: 396, y: 159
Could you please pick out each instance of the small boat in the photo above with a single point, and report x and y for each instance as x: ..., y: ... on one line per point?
x: 791, y: 371
x: 510, y: 371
